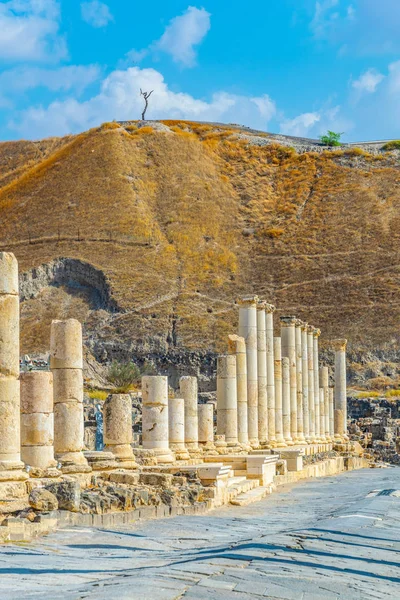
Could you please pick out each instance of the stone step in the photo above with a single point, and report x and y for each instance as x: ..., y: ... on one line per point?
x: 251, y: 496
x: 240, y: 485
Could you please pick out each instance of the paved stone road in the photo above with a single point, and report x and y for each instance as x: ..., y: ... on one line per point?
x: 326, y: 539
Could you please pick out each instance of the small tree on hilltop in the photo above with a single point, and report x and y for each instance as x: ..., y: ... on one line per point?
x: 146, y: 96
x: 331, y: 138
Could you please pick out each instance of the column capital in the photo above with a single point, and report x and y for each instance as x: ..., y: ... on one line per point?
x: 304, y: 326
x: 269, y: 308
x: 247, y: 301
x: 299, y: 323
x: 316, y: 332
x: 339, y: 344
x: 261, y: 304
x: 287, y: 321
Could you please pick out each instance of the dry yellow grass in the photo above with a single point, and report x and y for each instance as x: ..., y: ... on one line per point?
x: 182, y: 224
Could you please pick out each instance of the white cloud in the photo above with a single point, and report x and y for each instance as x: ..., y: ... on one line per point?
x: 300, y: 126
x: 180, y: 38
x: 314, y: 124
x: 368, y: 81
x: 266, y: 106
x: 119, y: 98
x: 324, y: 18
x: 29, y: 31
x: 96, y: 13
x: 72, y: 77
x: 183, y: 34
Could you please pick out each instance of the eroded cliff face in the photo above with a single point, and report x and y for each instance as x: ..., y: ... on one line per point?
x: 149, y: 237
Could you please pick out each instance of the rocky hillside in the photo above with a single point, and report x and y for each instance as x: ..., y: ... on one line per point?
x: 148, y: 232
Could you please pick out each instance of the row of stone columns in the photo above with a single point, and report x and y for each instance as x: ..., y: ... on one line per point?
x: 288, y: 399
x: 270, y: 391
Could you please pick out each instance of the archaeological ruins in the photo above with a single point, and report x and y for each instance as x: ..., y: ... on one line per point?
x: 280, y: 415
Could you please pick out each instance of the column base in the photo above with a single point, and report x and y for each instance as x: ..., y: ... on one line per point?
x: 254, y: 443
x: 73, y: 462
x: 49, y: 473
x: 13, y: 471
x: 280, y: 443
x: 180, y: 452
x: 164, y: 455
x: 123, y: 455
x: 289, y: 442
x: 101, y: 461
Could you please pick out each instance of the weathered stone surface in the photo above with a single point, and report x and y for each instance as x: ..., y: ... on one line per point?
x: 66, y: 345
x: 43, y: 500
x: 163, y: 480
x: 68, y: 494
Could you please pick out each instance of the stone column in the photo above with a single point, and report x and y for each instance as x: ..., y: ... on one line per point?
x: 311, y: 397
x: 331, y: 414
x: 299, y: 383
x: 176, y: 428
x: 248, y: 330
x: 340, y: 413
x: 155, y: 427
x: 288, y: 334
x: 117, y: 422
x: 206, y: 428
x: 316, y: 334
x: 66, y: 363
x: 269, y: 327
x: 189, y: 392
x: 11, y: 466
x: 237, y: 347
x: 227, y: 399
x: 304, y: 362
x: 262, y: 375
x: 286, y: 412
x: 322, y: 415
x: 324, y: 383
x: 280, y: 441
x: 37, y: 423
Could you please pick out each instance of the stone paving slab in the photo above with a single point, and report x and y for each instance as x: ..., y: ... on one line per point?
x: 325, y: 539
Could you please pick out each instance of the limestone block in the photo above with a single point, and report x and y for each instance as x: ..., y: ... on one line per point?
x: 117, y: 414
x: 9, y: 336
x: 176, y: 423
x: 37, y: 429
x: 155, y: 390
x: 68, y: 427
x: 68, y: 385
x: 155, y: 427
x: 43, y: 500
x: 9, y: 390
x: 40, y: 457
x: 8, y: 274
x: 66, y: 345
x: 189, y: 392
x: 36, y: 392
x: 10, y: 423
x: 206, y: 423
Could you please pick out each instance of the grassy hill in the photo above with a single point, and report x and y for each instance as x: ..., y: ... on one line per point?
x: 181, y: 218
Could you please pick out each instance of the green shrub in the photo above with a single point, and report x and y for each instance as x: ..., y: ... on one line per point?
x: 394, y: 145
x: 123, y: 375
x: 331, y: 139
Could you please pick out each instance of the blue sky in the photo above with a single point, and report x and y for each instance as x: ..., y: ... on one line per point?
x: 298, y: 67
